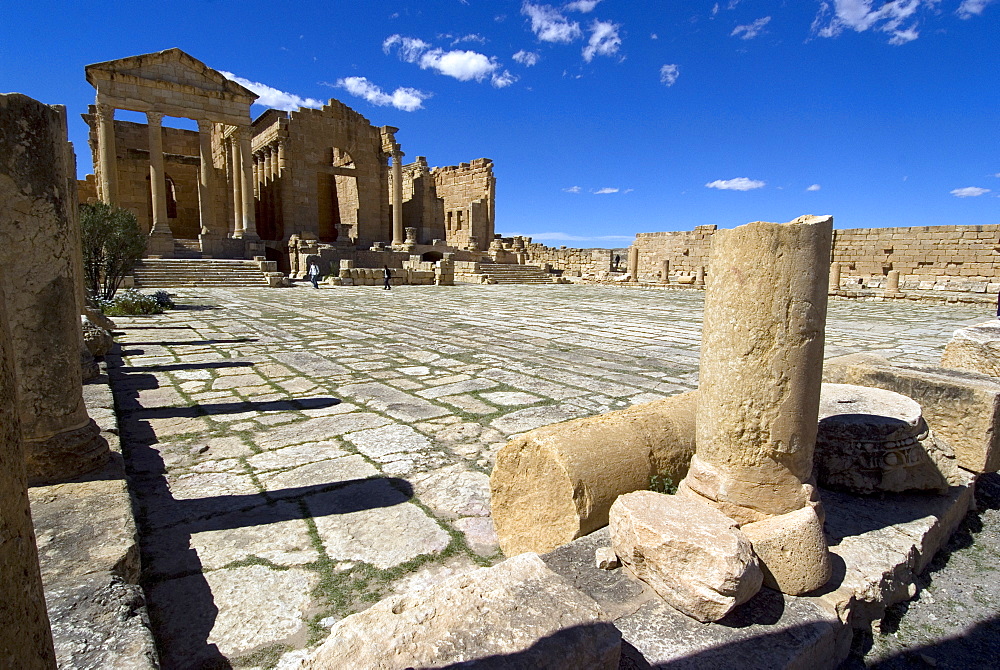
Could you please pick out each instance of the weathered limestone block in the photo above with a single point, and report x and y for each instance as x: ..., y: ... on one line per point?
x: 760, y: 373
x: 976, y: 348
x: 761, y: 367
x: 961, y: 408
x: 556, y: 483
x: 25, y: 639
x: 517, y: 614
x: 870, y: 440
x: 97, y: 339
x: 792, y: 550
x: 691, y: 554
x: 36, y: 225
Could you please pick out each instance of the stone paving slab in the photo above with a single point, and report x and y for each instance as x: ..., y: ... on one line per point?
x: 295, y: 455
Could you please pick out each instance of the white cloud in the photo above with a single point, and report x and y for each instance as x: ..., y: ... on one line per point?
x: 669, y: 74
x: 970, y: 8
x: 410, y: 48
x: 462, y: 65
x: 654, y: 36
x: 997, y: 175
x: 814, y: 187
x: 472, y: 37
x: 406, y: 99
x: 503, y: 80
x: 582, y: 6
x: 858, y: 15
x: 604, y: 40
x: 526, y: 58
x: 605, y: 190
x: 738, y: 184
x: 272, y: 97
x: 715, y: 9
x: 969, y: 192
x: 573, y: 189
x: 750, y: 30
x: 549, y: 25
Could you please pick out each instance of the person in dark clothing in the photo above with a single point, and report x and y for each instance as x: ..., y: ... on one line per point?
x: 388, y: 278
x: 998, y: 305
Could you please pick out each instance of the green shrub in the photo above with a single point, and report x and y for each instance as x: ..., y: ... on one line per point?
x: 163, y: 298
x: 661, y: 482
x: 112, y: 244
x: 130, y: 302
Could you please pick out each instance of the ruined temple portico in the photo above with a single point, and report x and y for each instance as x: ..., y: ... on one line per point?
x: 172, y: 83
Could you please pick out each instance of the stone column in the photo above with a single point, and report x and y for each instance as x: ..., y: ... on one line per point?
x: 280, y: 166
x: 760, y: 375
x: 249, y: 224
x: 25, y: 637
x: 699, y: 278
x: 266, y: 182
x: 235, y: 175
x: 666, y: 272
x: 633, y: 262
x: 107, y: 155
x: 36, y: 230
x: 161, y: 240
x: 206, y: 179
x: 834, y: 277
x: 257, y: 174
x: 892, y: 282
x: 397, y: 198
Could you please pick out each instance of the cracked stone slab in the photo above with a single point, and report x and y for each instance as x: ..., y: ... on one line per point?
x: 454, y: 491
x: 307, y: 478
x: 277, y: 533
x: 300, y: 454
x: 395, y: 403
x: 318, y: 429
x: 194, y: 632
x: 352, y: 522
x: 530, y: 418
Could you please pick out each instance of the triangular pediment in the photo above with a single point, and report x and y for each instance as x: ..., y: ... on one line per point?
x: 171, y: 66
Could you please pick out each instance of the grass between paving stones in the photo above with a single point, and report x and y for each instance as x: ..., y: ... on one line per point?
x: 352, y: 590
x: 265, y: 657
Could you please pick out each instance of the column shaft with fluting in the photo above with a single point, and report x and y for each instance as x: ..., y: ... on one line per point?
x: 157, y: 177
x: 398, y: 234
x: 235, y: 175
x: 108, y: 166
x: 246, y: 161
x: 761, y: 367
x: 206, y: 179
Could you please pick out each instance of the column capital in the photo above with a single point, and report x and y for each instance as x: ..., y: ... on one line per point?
x: 243, y: 133
x: 154, y: 118
x: 105, y: 111
x: 205, y: 126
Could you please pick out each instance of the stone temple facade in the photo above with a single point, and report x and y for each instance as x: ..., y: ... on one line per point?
x: 238, y: 187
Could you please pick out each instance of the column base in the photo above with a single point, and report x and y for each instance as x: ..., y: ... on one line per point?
x: 160, y: 244
x: 65, y: 455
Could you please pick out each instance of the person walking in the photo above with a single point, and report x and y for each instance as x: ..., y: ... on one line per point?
x: 313, y: 273
x: 388, y: 278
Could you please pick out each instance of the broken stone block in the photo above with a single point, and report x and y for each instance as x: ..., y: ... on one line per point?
x: 690, y: 553
x: 556, y: 483
x: 870, y: 440
x: 517, y: 614
x: 606, y: 559
x: 976, y: 349
x: 97, y: 339
x: 961, y: 408
x: 792, y: 550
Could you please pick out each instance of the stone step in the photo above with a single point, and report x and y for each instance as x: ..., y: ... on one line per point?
x: 166, y: 272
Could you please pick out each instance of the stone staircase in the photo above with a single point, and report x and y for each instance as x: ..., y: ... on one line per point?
x: 187, y: 248
x: 504, y: 273
x: 209, y: 272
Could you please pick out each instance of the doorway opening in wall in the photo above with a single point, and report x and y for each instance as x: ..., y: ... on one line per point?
x: 170, y: 191
x: 336, y: 195
x: 431, y: 257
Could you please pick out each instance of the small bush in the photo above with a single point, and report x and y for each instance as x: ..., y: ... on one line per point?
x: 662, y: 483
x: 163, y: 298
x: 131, y: 302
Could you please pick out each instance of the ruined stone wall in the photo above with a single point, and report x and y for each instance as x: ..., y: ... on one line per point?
x: 335, y: 169
x: 181, y: 163
x: 87, y: 189
x: 467, y: 192
x: 422, y: 208
x: 926, y: 257
x: 686, y: 250
x: 573, y: 262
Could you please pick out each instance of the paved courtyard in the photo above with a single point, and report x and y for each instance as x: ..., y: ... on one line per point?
x: 298, y: 454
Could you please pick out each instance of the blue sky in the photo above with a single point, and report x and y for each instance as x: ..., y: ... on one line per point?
x: 604, y: 118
